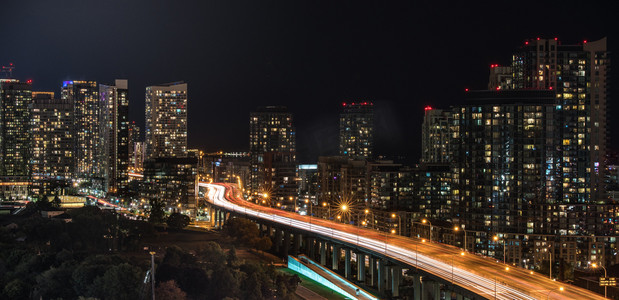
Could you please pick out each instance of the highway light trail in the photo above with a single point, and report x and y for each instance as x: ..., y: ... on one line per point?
x: 465, y: 271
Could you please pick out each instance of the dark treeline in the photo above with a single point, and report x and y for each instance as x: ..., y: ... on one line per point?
x: 94, y: 256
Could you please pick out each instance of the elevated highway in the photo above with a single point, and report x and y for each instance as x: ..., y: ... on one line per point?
x: 464, y: 274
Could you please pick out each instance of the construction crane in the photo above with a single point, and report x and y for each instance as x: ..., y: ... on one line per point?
x: 8, y: 70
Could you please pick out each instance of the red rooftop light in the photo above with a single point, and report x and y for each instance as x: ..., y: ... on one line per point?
x: 585, y: 41
x: 29, y: 81
x: 343, y: 103
x: 556, y: 39
x: 550, y: 88
x: 466, y: 90
x: 427, y: 108
x: 538, y: 39
x: 526, y: 43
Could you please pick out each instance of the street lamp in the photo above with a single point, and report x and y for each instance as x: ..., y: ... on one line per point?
x: 152, y: 271
x: 496, y: 238
x: 393, y: 215
x: 344, y: 209
x: 452, y: 266
x: 324, y: 204
x: 594, y: 265
x: 427, y: 221
x: 366, y: 212
x: 456, y: 228
x: 560, y: 290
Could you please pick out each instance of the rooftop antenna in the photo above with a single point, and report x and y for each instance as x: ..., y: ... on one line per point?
x: 8, y: 70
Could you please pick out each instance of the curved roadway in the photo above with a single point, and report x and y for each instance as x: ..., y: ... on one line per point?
x: 482, y: 275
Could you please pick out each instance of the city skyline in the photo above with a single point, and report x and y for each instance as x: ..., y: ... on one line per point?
x: 309, y: 58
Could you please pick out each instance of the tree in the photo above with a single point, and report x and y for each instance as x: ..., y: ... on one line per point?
x: 16, y: 289
x: 224, y: 283
x: 263, y: 243
x: 178, y: 221
x: 245, y: 231
x: 231, y: 257
x: 169, y: 291
x: 56, y: 202
x: 157, y: 214
x: 120, y: 282
x: 44, y: 204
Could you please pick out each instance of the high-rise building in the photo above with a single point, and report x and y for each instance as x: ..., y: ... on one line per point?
x: 308, y: 185
x: 343, y: 179
x: 172, y: 180
x: 501, y: 78
x: 436, y: 136
x: 114, y: 126
x: 432, y: 191
x: 357, y: 130
x: 15, y: 133
x: 52, y: 141
x: 272, y: 148
x: 503, y: 165
x: 84, y: 96
x: 579, y: 76
x: 166, y: 120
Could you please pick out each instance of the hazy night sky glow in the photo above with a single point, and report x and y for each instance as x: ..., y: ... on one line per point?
x: 310, y: 56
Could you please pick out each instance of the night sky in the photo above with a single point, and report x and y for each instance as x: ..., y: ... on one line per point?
x: 308, y: 55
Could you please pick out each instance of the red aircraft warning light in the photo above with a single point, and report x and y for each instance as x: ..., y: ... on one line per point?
x: 428, y: 107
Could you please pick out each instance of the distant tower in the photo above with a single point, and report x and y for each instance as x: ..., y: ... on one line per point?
x: 357, y: 130
x: 272, y: 147
x: 579, y: 76
x: 15, y: 133
x: 136, y: 146
x: 500, y: 78
x: 84, y: 96
x: 114, y: 122
x: 166, y: 120
x: 435, y: 137
x: 52, y: 137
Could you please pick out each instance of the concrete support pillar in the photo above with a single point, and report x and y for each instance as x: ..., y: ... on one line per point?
x: 387, y: 277
x: 311, y: 248
x: 296, y: 243
x: 381, y: 275
x: 361, y: 267
x: 347, y: 270
x: 447, y: 295
x: 286, y: 245
x: 335, y: 257
x: 323, y: 253
x: 373, y: 273
x: 416, y: 287
x: 396, y: 273
x: 277, y: 241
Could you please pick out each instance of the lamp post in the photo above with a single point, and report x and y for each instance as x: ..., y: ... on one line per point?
x: 344, y: 209
x: 152, y: 272
x: 496, y: 239
x: 427, y: 221
x: 456, y: 228
x: 324, y: 204
x: 366, y: 212
x: 393, y: 215
x: 550, y: 265
x: 452, y: 267
x: 560, y: 289
x: 595, y: 266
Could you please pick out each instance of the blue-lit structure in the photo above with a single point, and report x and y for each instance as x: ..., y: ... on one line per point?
x: 304, y: 265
